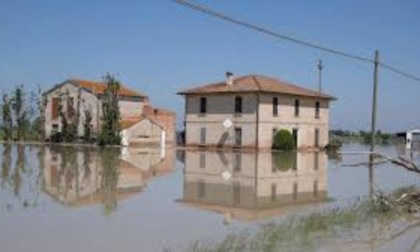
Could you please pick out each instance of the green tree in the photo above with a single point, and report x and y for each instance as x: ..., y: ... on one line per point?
x: 39, y: 122
x: 22, y: 114
x: 87, y: 131
x: 6, y: 164
x: 283, y: 161
x: 283, y: 140
x: 7, y: 118
x: 109, y: 178
x: 110, y: 130
x: 68, y: 117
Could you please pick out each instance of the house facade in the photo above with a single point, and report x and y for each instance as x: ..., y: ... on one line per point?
x: 135, y: 166
x: 247, y: 111
x: 253, y: 186
x: 134, y: 106
x: 411, y: 138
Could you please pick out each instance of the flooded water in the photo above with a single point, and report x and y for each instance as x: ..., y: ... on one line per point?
x: 85, y: 199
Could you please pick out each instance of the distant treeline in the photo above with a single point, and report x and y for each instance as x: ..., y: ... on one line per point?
x: 362, y: 136
x: 21, y: 115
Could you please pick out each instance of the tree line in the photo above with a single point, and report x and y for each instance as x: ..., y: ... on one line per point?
x: 362, y: 136
x: 23, y: 116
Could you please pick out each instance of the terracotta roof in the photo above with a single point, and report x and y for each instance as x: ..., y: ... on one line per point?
x: 99, y: 87
x: 149, y: 110
x: 126, y: 123
x: 256, y: 83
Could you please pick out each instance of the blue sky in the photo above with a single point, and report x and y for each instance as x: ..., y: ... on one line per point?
x: 159, y: 47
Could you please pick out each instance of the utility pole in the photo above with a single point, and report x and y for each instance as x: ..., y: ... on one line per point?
x: 373, y: 129
x: 374, y: 102
x: 320, y: 67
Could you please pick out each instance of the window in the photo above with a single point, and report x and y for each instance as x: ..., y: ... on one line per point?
x: 203, y: 105
x: 316, y: 161
x: 295, y: 191
x: 201, y: 189
x: 238, y: 162
x: 316, y: 137
x: 273, y: 191
x: 274, y: 135
x: 54, y: 108
x: 236, y: 192
x: 295, y: 134
x: 297, y: 104
x: 238, y: 136
x: 54, y: 128
x: 275, y: 106
x: 317, y: 109
x: 315, y: 187
x: 203, y: 136
x: 274, y: 132
x: 238, y: 104
x: 202, y: 160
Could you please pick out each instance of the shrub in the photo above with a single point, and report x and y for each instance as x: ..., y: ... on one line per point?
x: 283, y: 161
x: 57, y: 137
x: 334, y: 145
x: 283, y: 140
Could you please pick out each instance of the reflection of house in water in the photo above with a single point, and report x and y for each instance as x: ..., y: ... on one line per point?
x: 252, y: 186
x: 83, y: 176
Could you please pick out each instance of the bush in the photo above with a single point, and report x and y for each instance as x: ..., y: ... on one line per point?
x: 57, y: 137
x: 334, y: 145
x: 283, y: 161
x: 283, y: 140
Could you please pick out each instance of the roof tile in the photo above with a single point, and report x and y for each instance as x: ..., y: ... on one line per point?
x: 100, y: 87
x: 256, y: 83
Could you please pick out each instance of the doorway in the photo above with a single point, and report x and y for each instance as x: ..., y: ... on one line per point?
x: 295, y: 137
x: 238, y: 136
x: 316, y: 137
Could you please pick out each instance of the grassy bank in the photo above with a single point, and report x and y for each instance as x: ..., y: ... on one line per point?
x: 303, y: 232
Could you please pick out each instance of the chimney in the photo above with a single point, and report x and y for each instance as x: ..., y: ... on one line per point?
x: 229, y: 78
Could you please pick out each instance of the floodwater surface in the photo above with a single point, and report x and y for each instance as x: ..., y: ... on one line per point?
x: 85, y: 199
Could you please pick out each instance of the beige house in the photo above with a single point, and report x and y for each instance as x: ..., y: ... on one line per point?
x: 247, y: 111
x: 134, y: 108
x: 253, y: 185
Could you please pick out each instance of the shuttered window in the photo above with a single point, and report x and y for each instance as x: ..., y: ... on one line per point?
x: 238, y: 104
x: 54, y: 108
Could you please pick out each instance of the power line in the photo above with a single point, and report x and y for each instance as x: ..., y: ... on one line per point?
x: 213, y: 13
x: 400, y: 72
x: 260, y: 29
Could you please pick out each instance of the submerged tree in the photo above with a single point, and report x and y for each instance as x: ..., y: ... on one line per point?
x: 109, y: 178
x: 87, y: 130
x: 6, y: 164
x: 21, y: 112
x: 19, y: 168
x: 7, y: 118
x: 68, y: 116
x: 284, y: 141
x: 39, y: 122
x: 110, y: 131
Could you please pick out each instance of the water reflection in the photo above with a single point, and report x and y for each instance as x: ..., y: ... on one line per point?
x: 80, y: 176
x: 253, y: 186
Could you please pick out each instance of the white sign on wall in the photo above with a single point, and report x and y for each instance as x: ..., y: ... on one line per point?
x: 227, y: 123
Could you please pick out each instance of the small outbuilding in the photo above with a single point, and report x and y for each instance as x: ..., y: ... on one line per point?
x: 410, y: 138
x: 142, y: 131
